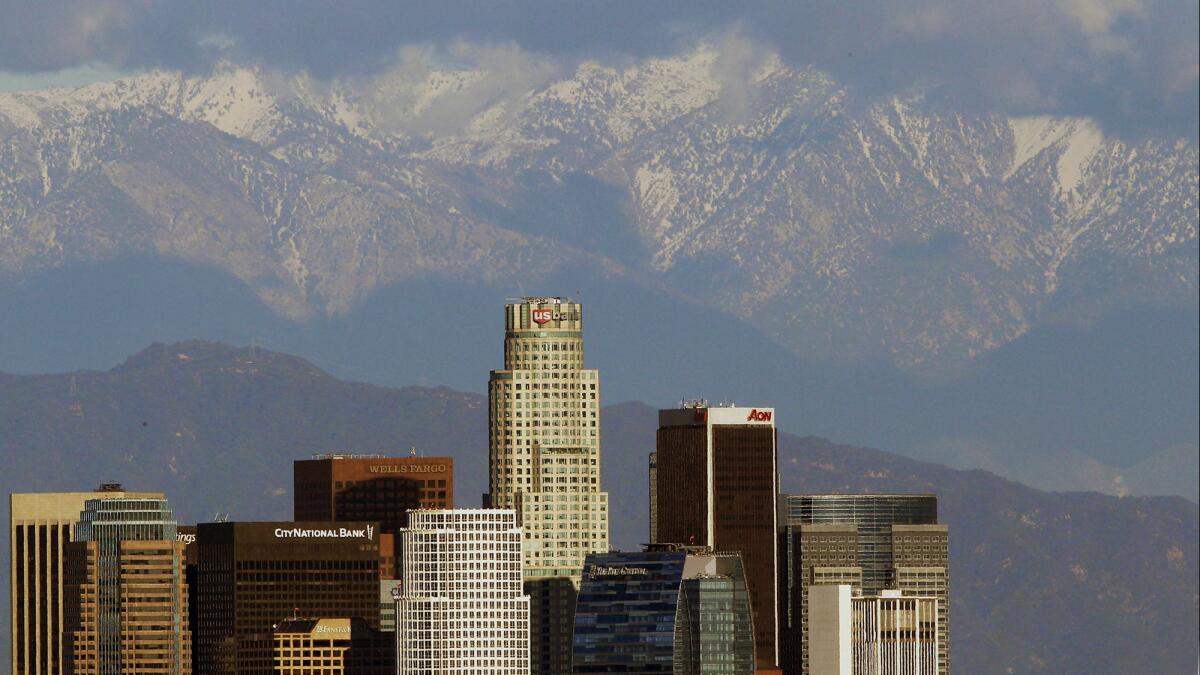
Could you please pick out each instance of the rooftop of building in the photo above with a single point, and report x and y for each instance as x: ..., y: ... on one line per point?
x: 324, y: 627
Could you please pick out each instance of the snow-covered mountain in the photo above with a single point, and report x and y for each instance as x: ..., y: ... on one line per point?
x: 836, y: 228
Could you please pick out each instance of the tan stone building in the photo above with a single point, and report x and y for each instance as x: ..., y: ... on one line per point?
x: 544, y: 459
x: 125, y: 590
x: 332, y: 647
x: 41, y: 525
x: 151, y: 608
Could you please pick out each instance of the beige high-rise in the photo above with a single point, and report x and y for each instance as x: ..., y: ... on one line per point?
x: 150, y: 633
x: 40, y: 526
x: 544, y: 459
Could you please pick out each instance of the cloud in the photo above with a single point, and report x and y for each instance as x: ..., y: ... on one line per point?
x: 1131, y: 64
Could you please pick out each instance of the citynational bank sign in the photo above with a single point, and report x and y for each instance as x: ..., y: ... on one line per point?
x: 367, y: 532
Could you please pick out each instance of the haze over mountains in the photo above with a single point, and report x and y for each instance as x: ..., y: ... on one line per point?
x: 1085, y: 583
x: 1015, y: 293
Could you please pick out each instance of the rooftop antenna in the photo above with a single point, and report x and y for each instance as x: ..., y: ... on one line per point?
x: 412, y: 451
x: 219, y: 517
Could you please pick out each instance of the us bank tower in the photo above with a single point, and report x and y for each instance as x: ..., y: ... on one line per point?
x: 544, y: 460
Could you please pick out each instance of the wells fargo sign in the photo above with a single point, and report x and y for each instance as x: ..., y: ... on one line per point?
x: 407, y: 468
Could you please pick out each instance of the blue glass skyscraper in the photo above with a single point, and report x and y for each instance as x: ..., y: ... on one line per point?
x: 669, y: 609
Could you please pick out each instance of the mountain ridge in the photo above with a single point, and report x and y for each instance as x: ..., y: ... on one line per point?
x: 925, y: 236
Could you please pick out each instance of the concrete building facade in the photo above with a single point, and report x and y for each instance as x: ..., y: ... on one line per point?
x: 887, y: 634
x: 334, y: 646
x: 871, y: 543
x: 460, y: 609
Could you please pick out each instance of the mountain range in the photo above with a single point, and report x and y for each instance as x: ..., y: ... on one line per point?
x: 1079, y: 582
x: 876, y: 252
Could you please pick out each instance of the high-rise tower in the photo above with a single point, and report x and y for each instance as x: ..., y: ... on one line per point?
x: 127, y: 601
x: 874, y: 543
x: 460, y: 608
x: 41, y: 525
x: 544, y: 457
x: 716, y: 482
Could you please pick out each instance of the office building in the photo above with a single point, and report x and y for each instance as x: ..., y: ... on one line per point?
x: 362, y: 488
x: 39, y: 528
x: 544, y: 457
x: 888, y: 634
x: 460, y: 608
x: 126, y: 602
x: 669, y: 609
x: 332, y: 647
x: 872, y: 543
x: 387, y: 604
x: 253, y: 575
x: 653, y: 496
x: 716, y: 485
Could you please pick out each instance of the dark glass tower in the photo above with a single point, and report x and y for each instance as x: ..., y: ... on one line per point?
x: 669, y: 609
x: 715, y: 483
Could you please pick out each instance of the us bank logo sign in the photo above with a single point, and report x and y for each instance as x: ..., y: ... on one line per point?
x: 367, y: 532
x: 544, y: 316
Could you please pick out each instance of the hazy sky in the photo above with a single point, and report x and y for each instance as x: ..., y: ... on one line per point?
x: 1132, y: 64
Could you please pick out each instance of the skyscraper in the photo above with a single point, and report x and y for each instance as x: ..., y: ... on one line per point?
x: 126, y: 595
x: 716, y: 484
x: 873, y: 543
x: 40, y: 527
x: 460, y: 608
x: 253, y: 575
x: 669, y: 609
x: 544, y: 457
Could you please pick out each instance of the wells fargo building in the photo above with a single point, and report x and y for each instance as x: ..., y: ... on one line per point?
x: 372, y: 488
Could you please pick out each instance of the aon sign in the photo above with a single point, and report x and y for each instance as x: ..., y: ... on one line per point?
x: 757, y: 415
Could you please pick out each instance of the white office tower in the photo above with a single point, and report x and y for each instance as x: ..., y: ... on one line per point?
x: 887, y: 634
x: 544, y: 459
x: 460, y: 608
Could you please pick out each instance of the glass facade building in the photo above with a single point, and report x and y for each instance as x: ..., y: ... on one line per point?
x: 252, y: 575
x: 669, y: 609
x: 873, y: 517
x: 872, y: 543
